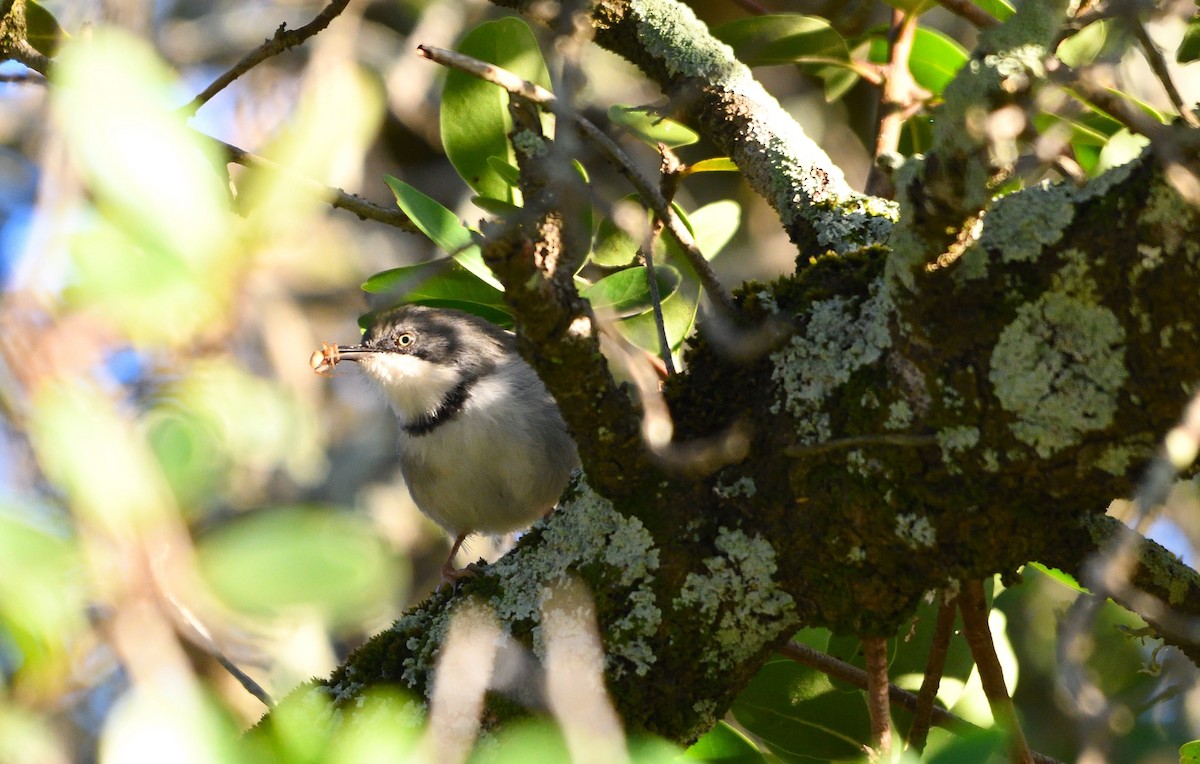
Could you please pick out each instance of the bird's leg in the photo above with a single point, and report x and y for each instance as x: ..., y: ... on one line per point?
x: 452, y: 575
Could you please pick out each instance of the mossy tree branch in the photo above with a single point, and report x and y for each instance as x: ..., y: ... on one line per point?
x: 993, y: 402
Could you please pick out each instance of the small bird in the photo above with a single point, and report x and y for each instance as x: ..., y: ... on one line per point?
x: 483, y: 447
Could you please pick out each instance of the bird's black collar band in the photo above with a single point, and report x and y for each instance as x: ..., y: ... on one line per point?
x: 446, y: 410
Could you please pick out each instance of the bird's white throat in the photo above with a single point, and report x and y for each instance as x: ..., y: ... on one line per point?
x: 414, y: 387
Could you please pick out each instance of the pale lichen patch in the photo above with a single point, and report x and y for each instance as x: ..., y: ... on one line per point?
x: 1058, y: 367
x: 1019, y: 227
x: 953, y: 441
x: 842, y: 335
x: 743, y: 487
x: 900, y: 416
x: 738, y: 594
x: 915, y: 531
x: 587, y: 531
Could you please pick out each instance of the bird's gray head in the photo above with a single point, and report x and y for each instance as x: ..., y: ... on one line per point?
x: 426, y: 359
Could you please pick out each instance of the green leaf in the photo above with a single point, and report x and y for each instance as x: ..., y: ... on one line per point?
x: 274, y: 560
x: 726, y: 745
x: 782, y: 39
x: 1189, y: 47
x: 1121, y: 148
x: 42, y: 29
x: 1082, y: 48
x: 442, y: 284
x: 798, y: 713
x: 443, y: 227
x: 495, y: 206
x: 627, y: 292
x: 1001, y: 9
x: 507, y: 172
x: 1189, y: 753
x: 651, y: 128
x: 474, y: 114
x: 713, y: 225
x: 1059, y: 576
x: 716, y: 164
x: 934, y: 61
x: 975, y: 745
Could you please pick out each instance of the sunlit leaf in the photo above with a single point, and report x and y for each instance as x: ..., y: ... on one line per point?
x: 161, y: 245
x: 41, y: 596
x: 650, y: 127
x: 1121, y: 148
x: 1189, y: 753
x: 274, y: 560
x: 42, y: 29
x: 713, y: 225
x: 628, y: 292
x: 443, y: 227
x: 495, y: 206
x: 783, y: 39
x: 1001, y: 9
x: 1059, y: 576
x: 443, y: 284
x: 1081, y: 48
x: 507, y: 172
x: 726, y: 745
x: 716, y: 164
x: 474, y: 114
x: 934, y: 60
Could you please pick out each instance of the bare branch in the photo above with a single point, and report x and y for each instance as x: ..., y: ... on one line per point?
x: 901, y: 698
x: 337, y: 198
x: 975, y: 627
x: 895, y: 99
x: 284, y: 39
x: 935, y: 664
x: 875, y: 650
x: 1159, y: 67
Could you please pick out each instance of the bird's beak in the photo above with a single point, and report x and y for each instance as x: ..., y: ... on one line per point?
x: 329, y: 356
x: 352, y: 352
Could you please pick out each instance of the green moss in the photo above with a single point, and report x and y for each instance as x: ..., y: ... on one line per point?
x: 530, y: 144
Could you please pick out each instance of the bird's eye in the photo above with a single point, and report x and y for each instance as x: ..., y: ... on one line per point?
x: 405, y: 339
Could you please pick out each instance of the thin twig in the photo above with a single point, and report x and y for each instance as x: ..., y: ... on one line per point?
x: 849, y: 674
x: 935, y: 665
x: 336, y: 197
x: 650, y: 194
x: 284, y: 39
x: 875, y: 651
x: 1159, y: 66
x: 897, y: 94
x: 25, y: 53
x: 910, y: 441
x: 971, y: 12
x: 973, y: 605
